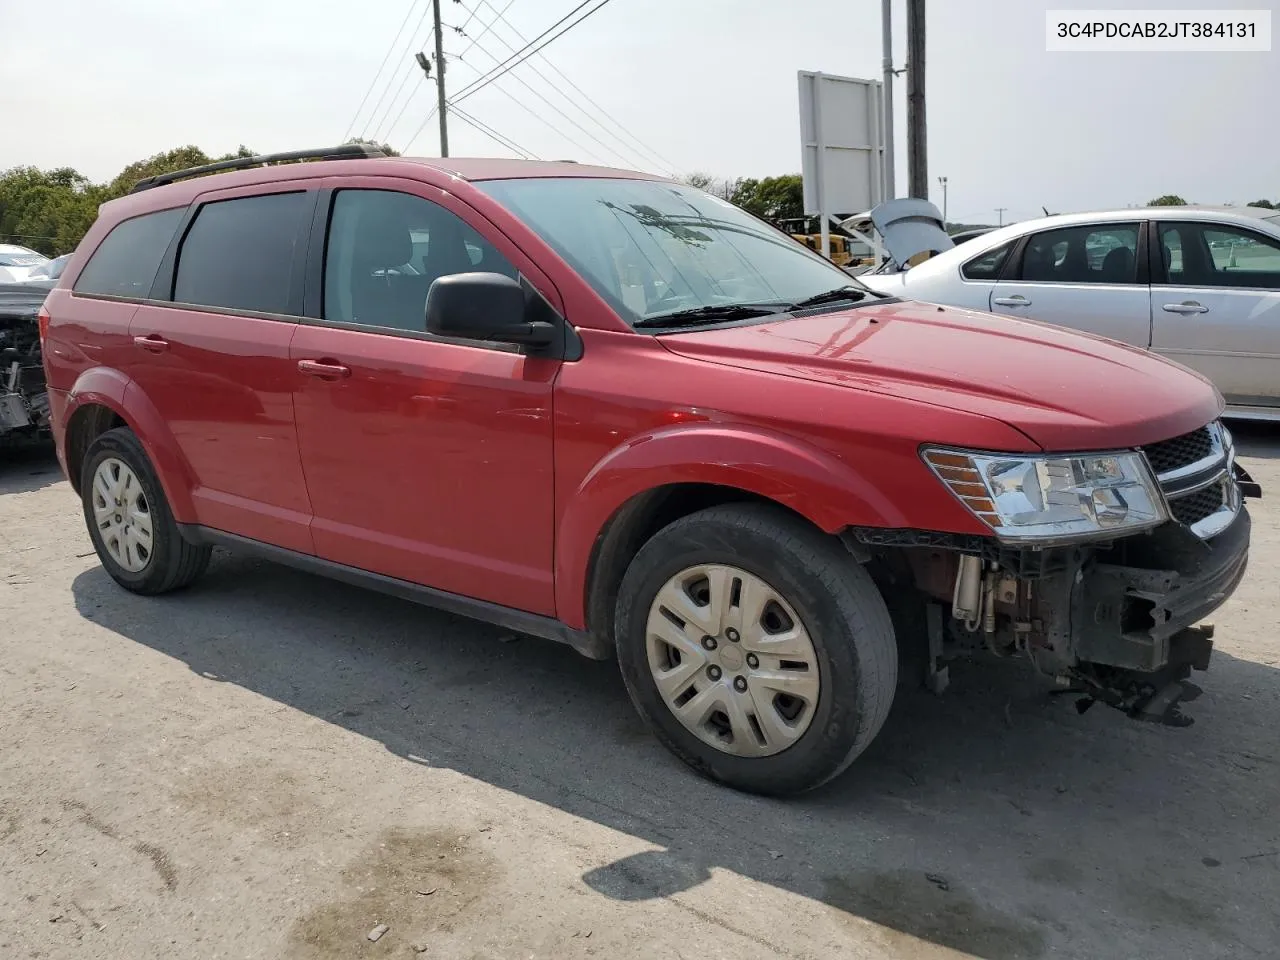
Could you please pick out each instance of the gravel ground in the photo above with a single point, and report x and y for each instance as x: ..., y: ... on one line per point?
x: 272, y: 765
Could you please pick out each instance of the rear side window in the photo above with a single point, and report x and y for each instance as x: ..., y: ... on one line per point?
x: 239, y: 254
x: 125, y: 263
x: 1086, y: 254
x: 988, y: 265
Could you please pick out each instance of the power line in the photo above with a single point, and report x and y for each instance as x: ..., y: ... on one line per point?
x: 485, y: 30
x: 663, y: 161
x: 392, y: 102
x: 374, y: 81
x: 418, y: 26
x: 516, y: 58
x: 469, y: 19
x: 493, y: 134
x: 417, y: 133
x: 386, y: 137
x: 553, y: 106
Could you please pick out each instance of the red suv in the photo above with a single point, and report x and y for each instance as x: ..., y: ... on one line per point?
x: 612, y: 410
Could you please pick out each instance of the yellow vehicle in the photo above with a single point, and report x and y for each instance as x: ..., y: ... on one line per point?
x: 804, y: 230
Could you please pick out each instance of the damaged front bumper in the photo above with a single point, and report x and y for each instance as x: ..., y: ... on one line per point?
x: 1119, y: 623
x: 1127, y: 624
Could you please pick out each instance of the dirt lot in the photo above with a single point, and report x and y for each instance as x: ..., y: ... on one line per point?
x: 271, y: 765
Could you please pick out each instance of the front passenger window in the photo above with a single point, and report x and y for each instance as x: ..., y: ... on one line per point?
x: 384, y: 251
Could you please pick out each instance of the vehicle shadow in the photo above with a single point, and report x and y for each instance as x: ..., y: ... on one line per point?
x: 28, y: 467
x: 995, y: 820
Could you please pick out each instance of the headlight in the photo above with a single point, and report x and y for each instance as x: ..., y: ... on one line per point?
x: 1046, y: 499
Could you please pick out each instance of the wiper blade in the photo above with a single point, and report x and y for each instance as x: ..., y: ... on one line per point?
x: 711, y: 314
x: 839, y: 295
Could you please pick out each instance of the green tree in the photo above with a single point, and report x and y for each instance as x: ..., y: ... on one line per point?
x: 46, y: 210
x: 716, y: 186
x: 1265, y: 204
x: 1168, y: 200
x: 772, y: 198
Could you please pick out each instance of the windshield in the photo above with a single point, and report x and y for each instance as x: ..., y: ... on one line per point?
x: 651, y: 249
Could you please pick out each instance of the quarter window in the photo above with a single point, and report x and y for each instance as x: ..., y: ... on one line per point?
x: 239, y: 254
x: 384, y: 251
x: 988, y: 265
x: 1085, y: 254
x: 125, y: 263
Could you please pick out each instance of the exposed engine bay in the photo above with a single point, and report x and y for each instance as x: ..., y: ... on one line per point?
x: 1117, y: 622
x: 24, y: 404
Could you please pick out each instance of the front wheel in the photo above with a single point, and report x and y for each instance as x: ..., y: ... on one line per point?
x: 756, y: 648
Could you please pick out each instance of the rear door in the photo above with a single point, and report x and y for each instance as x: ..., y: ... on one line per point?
x: 211, y: 352
x: 1090, y: 277
x: 1216, y: 306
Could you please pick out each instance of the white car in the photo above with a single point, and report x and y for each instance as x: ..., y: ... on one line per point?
x: 1199, y: 285
x: 16, y: 262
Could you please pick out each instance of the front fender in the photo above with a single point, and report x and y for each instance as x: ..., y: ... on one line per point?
x: 112, y: 389
x: 815, y: 484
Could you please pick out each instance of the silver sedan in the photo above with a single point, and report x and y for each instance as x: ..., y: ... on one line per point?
x: 1199, y: 285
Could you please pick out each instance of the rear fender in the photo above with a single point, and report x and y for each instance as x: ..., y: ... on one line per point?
x: 113, y: 390
x: 818, y: 486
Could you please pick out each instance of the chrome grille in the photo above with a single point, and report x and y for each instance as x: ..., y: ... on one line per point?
x: 1168, y: 455
x: 1196, y: 475
x: 1195, y: 507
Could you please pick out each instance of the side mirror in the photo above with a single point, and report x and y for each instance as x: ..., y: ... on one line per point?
x: 484, y: 306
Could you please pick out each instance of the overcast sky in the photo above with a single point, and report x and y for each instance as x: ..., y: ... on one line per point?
x: 703, y: 84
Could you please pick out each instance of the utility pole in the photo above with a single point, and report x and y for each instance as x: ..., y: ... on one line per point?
x: 441, y: 106
x: 917, y: 153
x: 1001, y: 210
x: 886, y: 61
x: 943, y: 181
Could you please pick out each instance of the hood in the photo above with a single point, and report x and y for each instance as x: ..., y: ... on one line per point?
x: 1064, y: 390
x: 907, y: 227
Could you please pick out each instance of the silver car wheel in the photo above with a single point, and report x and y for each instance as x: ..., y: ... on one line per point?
x: 732, y: 661
x: 123, y: 516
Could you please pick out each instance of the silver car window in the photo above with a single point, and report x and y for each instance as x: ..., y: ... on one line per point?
x: 1219, y: 255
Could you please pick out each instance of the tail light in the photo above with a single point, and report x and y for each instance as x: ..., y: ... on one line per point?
x: 42, y: 319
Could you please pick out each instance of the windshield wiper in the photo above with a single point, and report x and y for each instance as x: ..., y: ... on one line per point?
x: 839, y: 295
x: 713, y: 313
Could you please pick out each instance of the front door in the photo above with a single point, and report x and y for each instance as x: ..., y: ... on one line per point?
x: 1216, y: 307
x: 1091, y: 277
x: 426, y: 460
x: 215, y: 362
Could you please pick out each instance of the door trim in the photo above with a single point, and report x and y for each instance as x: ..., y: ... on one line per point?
x: 520, y: 621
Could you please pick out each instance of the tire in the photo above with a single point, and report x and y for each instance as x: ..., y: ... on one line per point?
x: 849, y: 631
x: 171, y: 562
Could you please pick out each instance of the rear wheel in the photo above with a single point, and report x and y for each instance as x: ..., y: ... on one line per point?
x: 129, y: 521
x: 756, y: 648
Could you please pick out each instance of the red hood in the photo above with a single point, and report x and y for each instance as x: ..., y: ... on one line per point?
x: 1064, y: 390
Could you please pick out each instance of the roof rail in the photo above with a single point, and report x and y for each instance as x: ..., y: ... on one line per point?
x: 347, y: 151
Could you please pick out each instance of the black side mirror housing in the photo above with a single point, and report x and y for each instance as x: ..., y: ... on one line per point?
x: 484, y: 306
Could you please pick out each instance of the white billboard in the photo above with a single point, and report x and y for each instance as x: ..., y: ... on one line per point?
x: 842, y: 145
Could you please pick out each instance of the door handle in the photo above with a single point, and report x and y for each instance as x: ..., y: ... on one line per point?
x: 324, y: 369
x: 152, y: 342
x: 1186, y: 306
x: 1017, y: 300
